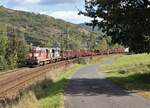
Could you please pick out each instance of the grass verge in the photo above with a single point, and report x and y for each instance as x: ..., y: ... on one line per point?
x: 131, y: 72
x: 55, y: 96
x: 102, y: 59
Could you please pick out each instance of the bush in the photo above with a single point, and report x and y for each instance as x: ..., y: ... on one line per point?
x: 83, y: 60
x: 3, y: 63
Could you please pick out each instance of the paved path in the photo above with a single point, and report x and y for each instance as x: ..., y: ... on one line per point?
x: 88, y: 88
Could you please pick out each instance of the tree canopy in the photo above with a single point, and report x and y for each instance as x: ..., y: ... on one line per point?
x: 126, y: 21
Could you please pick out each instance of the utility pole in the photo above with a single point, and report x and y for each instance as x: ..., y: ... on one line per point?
x: 67, y: 39
x: 67, y: 47
x: 91, y: 45
x: 61, y: 41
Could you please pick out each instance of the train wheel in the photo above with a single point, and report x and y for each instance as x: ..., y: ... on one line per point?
x: 49, y: 61
x: 43, y: 63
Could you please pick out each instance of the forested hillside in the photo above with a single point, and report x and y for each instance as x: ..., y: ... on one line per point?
x: 90, y: 28
x: 96, y: 29
x: 42, y: 30
x: 19, y: 31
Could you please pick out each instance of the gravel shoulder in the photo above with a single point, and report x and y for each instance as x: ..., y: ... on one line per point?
x: 88, y: 88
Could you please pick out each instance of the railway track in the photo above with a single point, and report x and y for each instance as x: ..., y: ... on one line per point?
x: 12, y: 83
x: 7, y: 73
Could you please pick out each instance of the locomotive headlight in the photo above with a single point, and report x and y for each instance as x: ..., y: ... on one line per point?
x: 36, y: 55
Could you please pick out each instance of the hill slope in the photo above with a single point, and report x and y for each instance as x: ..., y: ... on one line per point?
x: 43, y: 30
x: 90, y: 28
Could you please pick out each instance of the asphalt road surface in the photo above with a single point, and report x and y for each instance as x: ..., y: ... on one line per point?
x: 88, y: 88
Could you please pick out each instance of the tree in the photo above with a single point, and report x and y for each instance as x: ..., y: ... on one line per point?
x: 126, y: 21
x: 22, y: 50
x: 3, y: 46
x: 3, y: 39
x: 103, y: 44
x: 17, y: 49
x: 11, y: 54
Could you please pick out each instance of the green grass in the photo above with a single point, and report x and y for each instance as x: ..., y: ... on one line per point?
x: 131, y: 72
x: 55, y: 96
x: 102, y: 59
x: 127, y: 61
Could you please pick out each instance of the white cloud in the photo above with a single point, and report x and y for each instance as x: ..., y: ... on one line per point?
x: 44, y: 13
x: 19, y: 2
x: 70, y: 16
x: 58, y: 1
x: 32, y: 1
x: 44, y: 2
x: 21, y: 8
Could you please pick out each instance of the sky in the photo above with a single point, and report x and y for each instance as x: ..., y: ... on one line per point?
x: 61, y: 9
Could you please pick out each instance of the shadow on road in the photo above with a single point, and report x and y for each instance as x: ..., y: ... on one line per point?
x: 78, y: 87
x: 93, y: 87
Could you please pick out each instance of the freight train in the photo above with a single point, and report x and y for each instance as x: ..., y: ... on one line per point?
x: 42, y: 56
